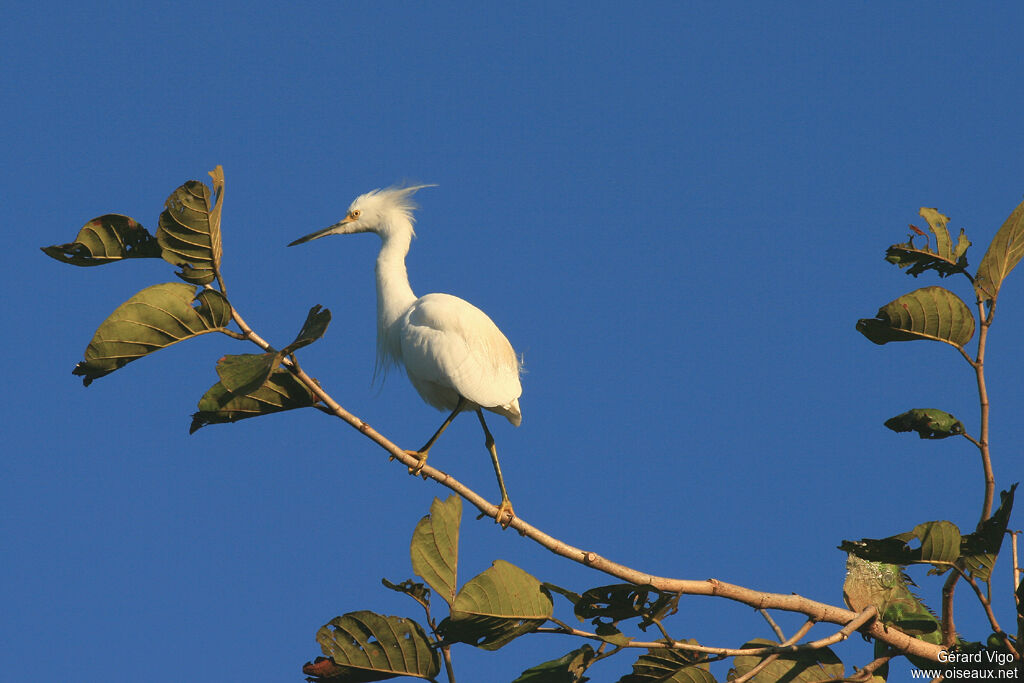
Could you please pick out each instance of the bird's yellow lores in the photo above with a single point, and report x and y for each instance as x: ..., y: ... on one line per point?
x: 455, y: 356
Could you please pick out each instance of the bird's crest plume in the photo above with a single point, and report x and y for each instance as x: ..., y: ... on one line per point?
x: 393, y: 198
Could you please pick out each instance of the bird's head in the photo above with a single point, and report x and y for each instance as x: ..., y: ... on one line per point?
x: 384, y: 212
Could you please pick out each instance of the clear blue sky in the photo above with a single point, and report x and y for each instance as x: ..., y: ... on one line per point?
x: 676, y: 212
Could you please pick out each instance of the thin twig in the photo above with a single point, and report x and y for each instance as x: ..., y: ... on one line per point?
x: 771, y: 622
x: 865, y: 673
x: 1016, y: 567
x: 760, y: 666
x: 986, y: 603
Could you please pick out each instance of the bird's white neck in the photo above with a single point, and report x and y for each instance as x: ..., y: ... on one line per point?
x: 394, y: 294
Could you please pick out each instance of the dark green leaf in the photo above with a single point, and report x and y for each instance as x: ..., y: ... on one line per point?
x: 435, y: 547
x: 314, y: 328
x: 610, y: 634
x: 929, y: 423
x: 280, y: 392
x: 153, y: 319
x: 804, y: 666
x: 189, y: 231
x: 1002, y: 256
x: 928, y: 313
x: 980, y: 549
x: 244, y: 374
x: 371, y: 647
x: 567, y: 669
x: 496, y: 606
x: 940, y: 546
x: 106, y: 239
x: 569, y: 595
x: 626, y: 601
x: 416, y: 591
x: 663, y: 666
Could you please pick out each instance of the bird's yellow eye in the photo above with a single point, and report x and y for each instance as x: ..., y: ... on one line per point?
x: 354, y: 213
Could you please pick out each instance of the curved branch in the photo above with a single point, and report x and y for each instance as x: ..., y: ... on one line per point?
x: 816, y: 611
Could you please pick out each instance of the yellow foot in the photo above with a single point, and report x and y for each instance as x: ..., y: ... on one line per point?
x: 505, y: 514
x: 422, y: 457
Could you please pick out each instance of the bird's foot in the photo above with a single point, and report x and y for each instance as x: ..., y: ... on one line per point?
x: 505, y: 514
x: 422, y: 458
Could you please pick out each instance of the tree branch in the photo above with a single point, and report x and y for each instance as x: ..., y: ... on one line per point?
x: 816, y: 611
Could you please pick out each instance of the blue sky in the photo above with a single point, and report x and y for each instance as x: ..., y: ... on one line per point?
x: 676, y: 213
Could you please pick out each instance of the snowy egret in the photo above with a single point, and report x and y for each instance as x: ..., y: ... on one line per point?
x: 455, y: 356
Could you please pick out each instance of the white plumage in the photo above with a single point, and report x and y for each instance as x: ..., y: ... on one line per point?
x: 455, y: 356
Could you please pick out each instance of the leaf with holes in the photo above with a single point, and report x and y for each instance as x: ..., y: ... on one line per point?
x: 940, y: 546
x: 1003, y: 255
x: 189, y: 231
x: 281, y: 391
x: 365, y: 646
x: 804, y: 666
x: 566, y: 669
x: 417, y: 591
x: 945, y: 259
x: 980, y: 549
x: 435, y: 547
x: 107, y: 239
x: 929, y: 313
x: 496, y: 606
x: 609, y: 604
x: 153, y: 319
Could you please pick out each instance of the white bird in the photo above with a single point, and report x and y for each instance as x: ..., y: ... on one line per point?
x: 455, y: 356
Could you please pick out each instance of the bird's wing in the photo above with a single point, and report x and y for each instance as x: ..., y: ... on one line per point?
x: 452, y: 343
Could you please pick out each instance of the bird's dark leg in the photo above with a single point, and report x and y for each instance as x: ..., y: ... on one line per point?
x: 421, y: 454
x: 505, y: 509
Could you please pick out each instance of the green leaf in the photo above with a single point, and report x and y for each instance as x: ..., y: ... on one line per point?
x: 435, y: 547
x: 189, y: 231
x: 804, y: 666
x: 937, y: 224
x: 244, y: 374
x: 940, y: 546
x: 153, y: 319
x: 371, y: 647
x: 281, y: 391
x: 106, y: 239
x: 496, y: 606
x: 572, y: 596
x: 314, y: 328
x: 929, y: 423
x: 940, y: 543
x: 626, y: 601
x: 664, y: 666
x: 980, y: 549
x: 944, y: 259
x: 566, y: 669
x: 928, y: 313
x: 1002, y: 256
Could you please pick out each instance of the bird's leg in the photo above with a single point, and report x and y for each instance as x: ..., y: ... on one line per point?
x: 421, y: 454
x: 505, y: 509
